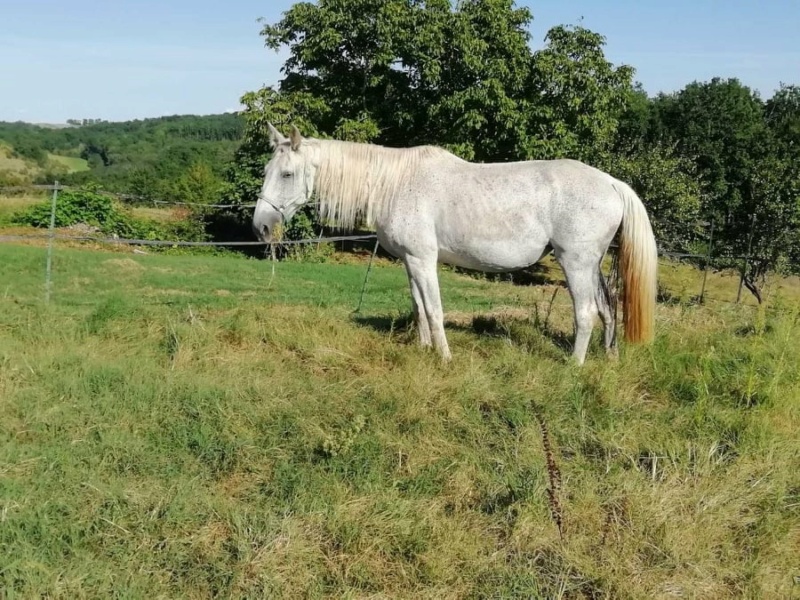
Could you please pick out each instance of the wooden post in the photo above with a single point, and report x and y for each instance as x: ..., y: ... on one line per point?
x: 708, y: 260
x: 746, y: 259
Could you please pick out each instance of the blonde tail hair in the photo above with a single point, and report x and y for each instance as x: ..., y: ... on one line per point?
x: 638, y: 256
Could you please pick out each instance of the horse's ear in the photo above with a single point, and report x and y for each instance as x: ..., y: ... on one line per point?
x: 295, y: 138
x: 275, y: 136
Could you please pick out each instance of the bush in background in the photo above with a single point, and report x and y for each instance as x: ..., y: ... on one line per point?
x: 92, y: 208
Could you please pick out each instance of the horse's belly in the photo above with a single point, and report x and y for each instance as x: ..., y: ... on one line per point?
x: 493, y: 257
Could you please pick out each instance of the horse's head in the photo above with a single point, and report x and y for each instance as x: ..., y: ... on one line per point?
x: 288, y: 183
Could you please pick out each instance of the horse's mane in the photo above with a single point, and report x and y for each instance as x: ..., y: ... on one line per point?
x: 355, y: 182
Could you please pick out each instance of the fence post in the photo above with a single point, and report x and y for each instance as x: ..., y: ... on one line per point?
x: 47, y: 280
x: 746, y: 258
x: 708, y: 260
x: 366, y: 276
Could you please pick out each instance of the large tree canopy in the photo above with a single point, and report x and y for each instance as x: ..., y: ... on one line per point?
x: 745, y: 154
x: 404, y: 72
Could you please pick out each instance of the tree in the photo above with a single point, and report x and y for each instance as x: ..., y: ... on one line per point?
x: 783, y: 116
x: 775, y: 221
x: 476, y: 85
x: 669, y: 189
x: 404, y: 72
x: 743, y: 151
x: 197, y: 185
x: 578, y: 97
x: 776, y: 193
x: 244, y: 176
x: 720, y: 125
x: 637, y: 123
x: 31, y: 150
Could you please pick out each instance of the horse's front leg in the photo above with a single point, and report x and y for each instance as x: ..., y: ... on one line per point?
x: 425, y: 291
x: 420, y: 317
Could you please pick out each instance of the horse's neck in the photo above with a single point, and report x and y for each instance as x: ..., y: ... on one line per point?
x: 357, y: 182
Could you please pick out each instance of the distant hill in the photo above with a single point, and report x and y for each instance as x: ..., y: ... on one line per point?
x: 151, y: 157
x: 16, y: 169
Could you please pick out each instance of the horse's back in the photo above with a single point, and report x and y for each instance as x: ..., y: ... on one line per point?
x: 557, y: 194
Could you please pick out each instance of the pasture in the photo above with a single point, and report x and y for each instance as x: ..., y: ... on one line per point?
x: 187, y: 426
x: 72, y: 164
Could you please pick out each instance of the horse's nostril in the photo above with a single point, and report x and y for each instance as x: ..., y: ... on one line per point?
x: 261, y: 232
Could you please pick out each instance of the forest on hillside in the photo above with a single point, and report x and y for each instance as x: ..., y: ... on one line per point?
x: 712, y: 155
x: 182, y: 157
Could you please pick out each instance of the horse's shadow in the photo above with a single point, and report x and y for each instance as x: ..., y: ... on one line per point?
x: 537, y: 274
x: 522, y: 332
x: 518, y: 331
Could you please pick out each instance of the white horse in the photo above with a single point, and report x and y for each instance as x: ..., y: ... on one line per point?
x: 429, y: 206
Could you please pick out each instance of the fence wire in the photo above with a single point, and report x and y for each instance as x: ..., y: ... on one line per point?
x: 51, y: 236
x: 135, y: 242
x: 122, y: 196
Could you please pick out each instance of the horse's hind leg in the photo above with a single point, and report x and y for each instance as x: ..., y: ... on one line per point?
x: 606, y: 305
x: 580, y: 270
x: 422, y: 273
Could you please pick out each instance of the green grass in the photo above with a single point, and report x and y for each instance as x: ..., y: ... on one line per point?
x: 185, y: 426
x: 73, y: 164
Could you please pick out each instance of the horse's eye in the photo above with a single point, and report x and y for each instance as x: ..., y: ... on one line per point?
x: 287, y: 175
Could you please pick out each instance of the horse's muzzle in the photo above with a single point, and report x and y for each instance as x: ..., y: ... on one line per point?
x: 264, y: 225
x: 262, y: 232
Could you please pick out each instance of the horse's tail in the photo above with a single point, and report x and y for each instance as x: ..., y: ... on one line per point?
x: 638, y: 259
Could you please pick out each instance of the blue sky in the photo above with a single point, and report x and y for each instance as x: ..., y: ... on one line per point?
x: 127, y: 60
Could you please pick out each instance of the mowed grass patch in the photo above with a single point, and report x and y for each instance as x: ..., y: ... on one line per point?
x: 73, y: 164
x: 179, y: 426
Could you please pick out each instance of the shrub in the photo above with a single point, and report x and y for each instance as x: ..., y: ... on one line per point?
x: 93, y: 208
x: 73, y: 207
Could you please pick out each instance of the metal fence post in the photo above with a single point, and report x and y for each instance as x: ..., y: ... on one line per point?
x: 366, y: 276
x: 708, y: 260
x: 746, y: 258
x: 48, y: 270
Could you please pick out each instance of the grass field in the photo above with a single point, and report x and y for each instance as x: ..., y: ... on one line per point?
x: 185, y: 426
x: 73, y: 164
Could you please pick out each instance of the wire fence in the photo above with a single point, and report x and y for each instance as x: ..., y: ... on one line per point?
x: 56, y: 187
x: 52, y: 237
x: 135, y: 242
